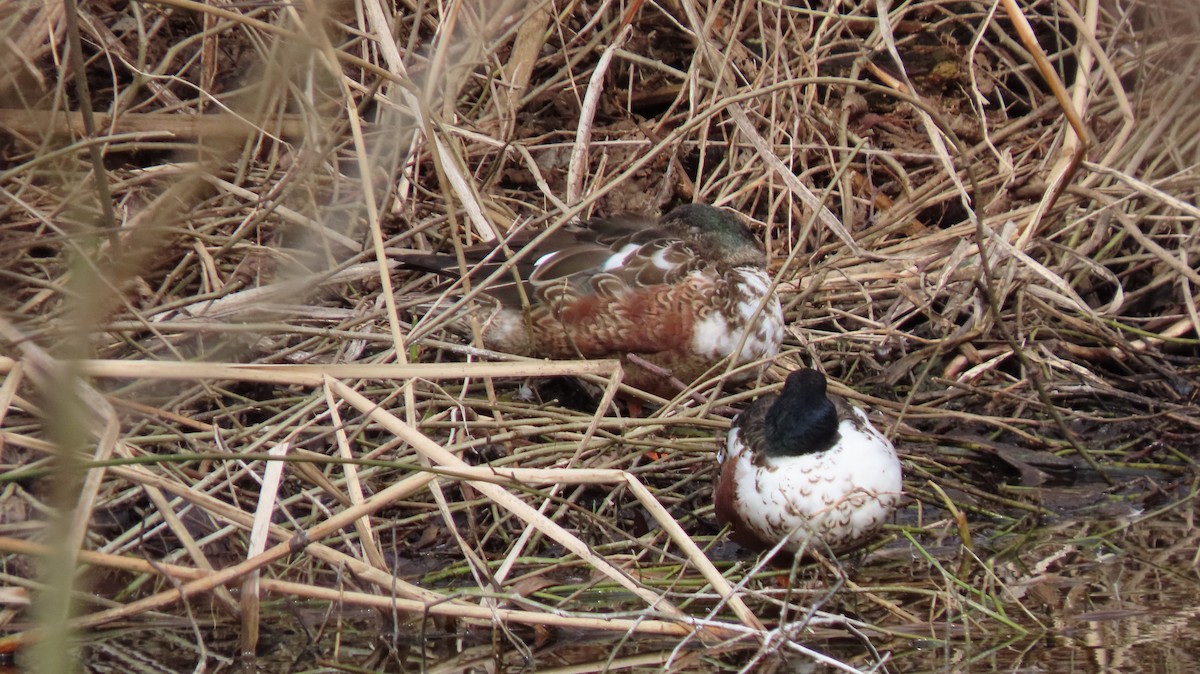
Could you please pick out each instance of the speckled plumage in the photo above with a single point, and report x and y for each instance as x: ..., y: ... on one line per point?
x: 679, y: 292
x: 806, y: 467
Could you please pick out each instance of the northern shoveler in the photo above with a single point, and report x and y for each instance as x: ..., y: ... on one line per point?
x: 682, y: 292
x: 805, y: 467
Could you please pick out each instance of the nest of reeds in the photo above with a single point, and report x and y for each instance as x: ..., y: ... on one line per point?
x: 217, y: 391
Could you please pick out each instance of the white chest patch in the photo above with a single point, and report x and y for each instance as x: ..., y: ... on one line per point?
x: 837, y: 496
x: 716, y: 335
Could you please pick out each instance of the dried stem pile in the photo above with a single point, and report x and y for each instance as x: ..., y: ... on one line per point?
x: 982, y: 220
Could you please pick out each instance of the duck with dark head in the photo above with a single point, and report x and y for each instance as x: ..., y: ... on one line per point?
x: 806, y: 469
x: 682, y: 292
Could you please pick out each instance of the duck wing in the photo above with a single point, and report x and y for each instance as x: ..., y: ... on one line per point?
x: 602, y: 256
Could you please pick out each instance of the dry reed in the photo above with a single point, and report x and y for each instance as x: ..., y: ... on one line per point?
x: 994, y: 245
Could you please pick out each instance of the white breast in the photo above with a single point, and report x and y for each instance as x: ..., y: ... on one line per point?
x: 838, y: 495
x: 746, y: 290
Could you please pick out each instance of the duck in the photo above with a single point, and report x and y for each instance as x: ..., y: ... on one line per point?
x: 682, y: 292
x: 804, y: 471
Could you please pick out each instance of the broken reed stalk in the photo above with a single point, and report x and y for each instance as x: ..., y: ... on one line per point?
x: 441, y: 457
x: 1085, y: 318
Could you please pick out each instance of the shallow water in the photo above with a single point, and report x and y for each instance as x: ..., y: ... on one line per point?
x: 1096, y: 597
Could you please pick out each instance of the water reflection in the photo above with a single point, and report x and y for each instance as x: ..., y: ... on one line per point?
x: 1097, y: 597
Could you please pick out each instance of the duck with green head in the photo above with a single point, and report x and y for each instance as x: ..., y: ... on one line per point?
x: 683, y: 292
x: 806, y: 469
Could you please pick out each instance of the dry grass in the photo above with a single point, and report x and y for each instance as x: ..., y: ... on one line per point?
x: 998, y: 259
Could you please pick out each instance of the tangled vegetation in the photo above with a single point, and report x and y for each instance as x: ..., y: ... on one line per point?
x: 217, y: 391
